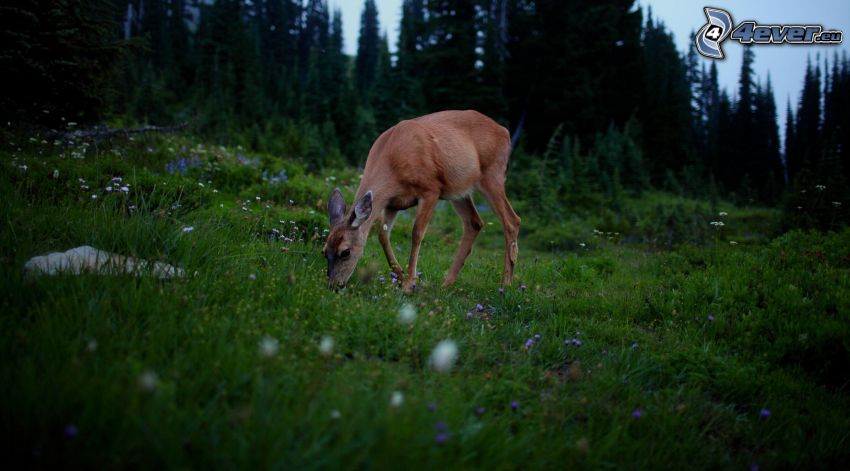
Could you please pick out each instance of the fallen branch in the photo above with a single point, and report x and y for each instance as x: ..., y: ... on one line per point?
x: 103, y: 132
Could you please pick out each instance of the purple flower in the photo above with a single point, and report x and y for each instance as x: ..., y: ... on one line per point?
x: 754, y: 467
x: 634, y: 345
x: 764, y: 413
x: 441, y: 426
x: 529, y: 343
x: 523, y: 287
x: 382, y: 279
x: 514, y: 404
x: 501, y: 290
x: 711, y: 318
x: 71, y: 431
x: 577, y: 342
x: 469, y: 314
x: 442, y: 438
x: 479, y: 307
x: 479, y: 411
x: 393, y: 275
x: 537, y: 337
x: 637, y: 413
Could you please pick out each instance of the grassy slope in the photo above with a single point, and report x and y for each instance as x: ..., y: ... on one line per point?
x: 778, y: 340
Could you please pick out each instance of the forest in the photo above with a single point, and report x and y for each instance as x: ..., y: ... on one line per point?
x: 273, y: 76
x: 681, y: 299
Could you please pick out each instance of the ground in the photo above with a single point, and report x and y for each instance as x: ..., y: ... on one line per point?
x: 605, y: 353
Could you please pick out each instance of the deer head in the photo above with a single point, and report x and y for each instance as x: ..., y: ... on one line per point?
x: 347, y: 237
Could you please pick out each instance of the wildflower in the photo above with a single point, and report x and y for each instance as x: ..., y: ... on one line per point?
x: 514, y: 404
x: 637, y: 413
x: 125, y: 189
x: 335, y: 414
x: 397, y: 399
x: 469, y: 314
x: 444, y: 356
x: 479, y: 307
x: 732, y: 242
x: 529, y: 343
x: 117, y: 180
x: 522, y: 287
x: 711, y: 318
x: 836, y: 203
x: 382, y: 279
x: 188, y: 229
x: 723, y: 214
x: 820, y: 187
x: 326, y: 346
x: 537, y: 337
x: 386, y: 228
x: 764, y: 413
x: 71, y: 431
x: 717, y: 223
x: 634, y: 345
x: 582, y: 445
x: 501, y: 290
x: 479, y: 411
x: 407, y: 314
x: 149, y: 381
x: 23, y: 167
x: 268, y: 346
x: 252, y: 276
x: 108, y: 189
x: 94, y: 197
x: 442, y: 438
x: 91, y: 345
x: 55, y: 174
x: 432, y: 406
x: 582, y: 244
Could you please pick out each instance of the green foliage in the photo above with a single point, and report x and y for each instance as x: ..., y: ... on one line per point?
x: 734, y: 354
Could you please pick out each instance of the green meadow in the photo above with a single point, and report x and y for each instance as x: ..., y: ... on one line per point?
x: 644, y: 337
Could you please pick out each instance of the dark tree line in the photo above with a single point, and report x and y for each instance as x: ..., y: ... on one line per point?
x: 561, y: 75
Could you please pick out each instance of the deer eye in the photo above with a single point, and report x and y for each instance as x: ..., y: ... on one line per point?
x: 345, y: 253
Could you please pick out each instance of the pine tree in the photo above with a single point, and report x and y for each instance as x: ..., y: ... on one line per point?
x: 368, y: 49
x: 807, y: 134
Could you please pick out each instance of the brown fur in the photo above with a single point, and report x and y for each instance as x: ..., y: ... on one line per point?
x: 442, y: 155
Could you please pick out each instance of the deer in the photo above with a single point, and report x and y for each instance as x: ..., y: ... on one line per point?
x: 444, y: 155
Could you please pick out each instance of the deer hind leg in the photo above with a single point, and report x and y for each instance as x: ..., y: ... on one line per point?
x: 472, y: 225
x: 427, y: 204
x: 384, y: 237
x: 493, y: 187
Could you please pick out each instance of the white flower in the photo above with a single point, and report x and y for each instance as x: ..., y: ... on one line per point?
x: 836, y: 203
x: 187, y: 229
x: 200, y: 184
x: 397, y: 399
x: 732, y: 242
x: 56, y: 173
x: 125, y: 189
x: 149, y: 381
x: 326, y: 346
x: 268, y: 346
x: 717, y: 223
x: 386, y: 228
x: 94, y: 197
x: 252, y: 276
x: 723, y: 213
x: 407, y: 314
x: 335, y: 414
x: 108, y: 189
x: 820, y: 187
x: 444, y: 356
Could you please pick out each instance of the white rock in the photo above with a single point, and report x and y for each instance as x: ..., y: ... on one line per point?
x: 87, y: 259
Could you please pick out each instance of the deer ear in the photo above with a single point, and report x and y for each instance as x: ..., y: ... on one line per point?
x: 336, y: 207
x: 362, y: 210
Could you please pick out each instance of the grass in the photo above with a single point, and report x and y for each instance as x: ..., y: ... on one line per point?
x: 118, y: 371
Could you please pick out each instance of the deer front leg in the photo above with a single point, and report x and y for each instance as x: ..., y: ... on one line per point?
x: 384, y: 237
x: 423, y: 216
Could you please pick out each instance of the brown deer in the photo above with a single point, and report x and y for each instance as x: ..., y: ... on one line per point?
x: 442, y: 155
